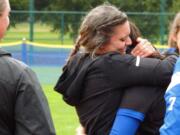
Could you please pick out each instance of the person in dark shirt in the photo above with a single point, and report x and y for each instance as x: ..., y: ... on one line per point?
x: 99, y: 71
x: 24, y: 108
x: 141, y: 99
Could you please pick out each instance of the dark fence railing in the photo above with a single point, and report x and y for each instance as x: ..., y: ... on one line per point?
x: 62, y: 26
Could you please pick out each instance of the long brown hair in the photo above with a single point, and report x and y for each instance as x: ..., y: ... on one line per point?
x: 175, y: 27
x: 97, y: 28
x: 135, y: 32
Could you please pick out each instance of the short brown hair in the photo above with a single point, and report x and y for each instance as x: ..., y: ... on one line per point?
x: 2, y: 6
x: 174, y: 29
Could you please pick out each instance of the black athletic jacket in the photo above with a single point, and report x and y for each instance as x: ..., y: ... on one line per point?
x: 96, y: 86
x: 23, y: 106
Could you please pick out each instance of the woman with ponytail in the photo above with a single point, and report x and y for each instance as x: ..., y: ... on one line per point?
x: 99, y: 71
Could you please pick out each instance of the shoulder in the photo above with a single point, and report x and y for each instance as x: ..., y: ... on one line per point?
x: 11, y: 69
x: 116, y: 58
x: 13, y: 64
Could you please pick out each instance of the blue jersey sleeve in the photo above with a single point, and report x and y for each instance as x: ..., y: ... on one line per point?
x: 126, y: 122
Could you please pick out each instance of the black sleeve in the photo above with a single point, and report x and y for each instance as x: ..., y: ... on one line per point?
x: 125, y: 70
x: 32, y: 114
x: 141, y: 98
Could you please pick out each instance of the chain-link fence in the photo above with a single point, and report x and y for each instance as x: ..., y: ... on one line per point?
x: 61, y: 27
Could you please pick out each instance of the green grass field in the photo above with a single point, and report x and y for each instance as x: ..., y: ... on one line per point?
x: 64, y: 116
x: 42, y: 33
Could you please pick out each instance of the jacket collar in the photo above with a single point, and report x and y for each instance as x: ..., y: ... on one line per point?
x: 4, y: 53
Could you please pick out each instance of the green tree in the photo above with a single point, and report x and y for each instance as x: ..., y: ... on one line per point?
x: 175, y: 6
x: 41, y: 4
x: 146, y: 14
x: 76, y: 10
x: 19, y: 4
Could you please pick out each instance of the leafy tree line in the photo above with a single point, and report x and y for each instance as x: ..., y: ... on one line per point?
x: 145, y: 13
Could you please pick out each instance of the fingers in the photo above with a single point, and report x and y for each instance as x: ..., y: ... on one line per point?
x: 80, y: 130
x: 139, y: 47
x: 144, y: 48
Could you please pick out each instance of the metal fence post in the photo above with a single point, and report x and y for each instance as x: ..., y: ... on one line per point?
x: 31, y: 20
x: 162, y: 20
x: 31, y: 31
x: 24, y: 51
x: 62, y: 28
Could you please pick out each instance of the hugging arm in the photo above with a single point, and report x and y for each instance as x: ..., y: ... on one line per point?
x: 126, y: 122
x: 136, y: 103
x: 127, y: 70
